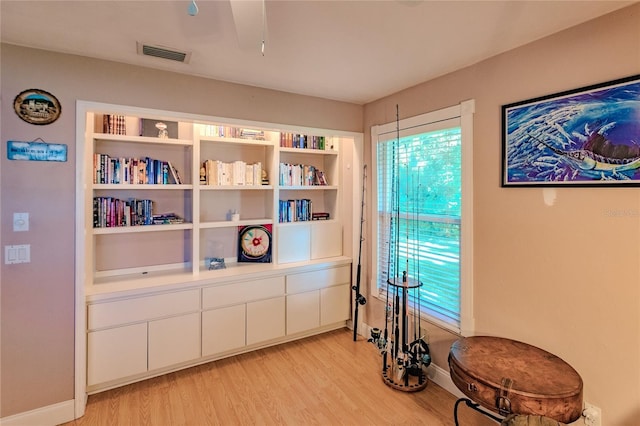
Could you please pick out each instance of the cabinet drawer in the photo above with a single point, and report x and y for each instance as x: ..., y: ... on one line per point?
x: 108, y: 314
x: 306, y: 281
x: 242, y: 292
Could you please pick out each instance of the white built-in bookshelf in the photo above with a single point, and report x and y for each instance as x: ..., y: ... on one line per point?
x: 156, y: 203
x: 153, y: 209
x: 197, y: 216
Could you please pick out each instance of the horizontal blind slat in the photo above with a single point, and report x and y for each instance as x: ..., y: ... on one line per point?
x: 419, y: 190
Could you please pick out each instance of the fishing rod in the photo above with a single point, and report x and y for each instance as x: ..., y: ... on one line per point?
x: 359, y: 298
x: 383, y: 342
x: 409, y: 355
x: 392, y: 267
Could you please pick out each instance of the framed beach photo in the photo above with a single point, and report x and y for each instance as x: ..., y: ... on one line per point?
x: 583, y: 137
x: 37, y: 106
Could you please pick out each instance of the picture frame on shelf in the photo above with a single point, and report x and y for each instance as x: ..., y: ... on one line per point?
x: 255, y: 243
x: 159, y: 128
x: 588, y: 136
x: 214, y: 263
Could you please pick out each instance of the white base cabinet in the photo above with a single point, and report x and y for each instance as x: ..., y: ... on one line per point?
x: 335, y: 304
x: 265, y: 320
x: 303, y: 311
x: 174, y: 340
x: 135, y: 336
x: 116, y: 353
x: 242, y: 313
x: 223, y: 329
x: 318, y: 298
x: 129, y: 337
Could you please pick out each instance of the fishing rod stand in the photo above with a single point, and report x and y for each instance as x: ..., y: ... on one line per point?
x: 408, y: 360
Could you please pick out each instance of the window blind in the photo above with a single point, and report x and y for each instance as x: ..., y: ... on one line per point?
x: 419, y: 213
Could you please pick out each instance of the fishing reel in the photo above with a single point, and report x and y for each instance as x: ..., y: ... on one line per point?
x: 360, y: 299
x: 415, y: 360
x: 419, y: 355
x: 377, y: 339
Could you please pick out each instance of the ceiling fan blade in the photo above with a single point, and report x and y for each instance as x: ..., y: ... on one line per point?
x: 249, y: 22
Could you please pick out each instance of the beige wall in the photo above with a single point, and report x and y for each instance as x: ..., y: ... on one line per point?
x: 38, y: 298
x: 564, y: 276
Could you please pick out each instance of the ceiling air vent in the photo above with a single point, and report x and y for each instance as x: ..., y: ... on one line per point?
x: 163, y: 52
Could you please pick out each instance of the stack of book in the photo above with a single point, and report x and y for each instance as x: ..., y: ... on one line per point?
x: 121, y: 170
x: 237, y: 173
x: 295, y: 210
x: 300, y: 175
x: 110, y: 212
x: 231, y: 132
x: 296, y: 140
x: 114, y: 124
x: 167, y: 219
x: 320, y: 216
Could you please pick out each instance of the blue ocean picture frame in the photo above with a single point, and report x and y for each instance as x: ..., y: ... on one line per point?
x: 582, y: 137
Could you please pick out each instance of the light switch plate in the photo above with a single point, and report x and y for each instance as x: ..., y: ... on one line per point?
x: 20, y: 222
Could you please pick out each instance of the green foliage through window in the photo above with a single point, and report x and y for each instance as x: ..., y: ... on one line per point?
x: 419, y: 209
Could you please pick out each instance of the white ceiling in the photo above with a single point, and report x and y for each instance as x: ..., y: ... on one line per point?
x: 354, y: 51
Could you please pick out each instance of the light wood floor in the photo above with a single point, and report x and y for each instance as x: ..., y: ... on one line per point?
x: 322, y: 380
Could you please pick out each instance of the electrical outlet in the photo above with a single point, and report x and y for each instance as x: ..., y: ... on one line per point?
x: 592, y: 415
x: 17, y: 254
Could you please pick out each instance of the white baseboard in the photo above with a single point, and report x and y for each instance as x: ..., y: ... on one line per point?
x: 50, y: 415
x: 441, y: 377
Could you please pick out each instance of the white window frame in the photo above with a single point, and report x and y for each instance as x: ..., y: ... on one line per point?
x: 463, y: 112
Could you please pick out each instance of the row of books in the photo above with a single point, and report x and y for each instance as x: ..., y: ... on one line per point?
x: 300, y: 175
x: 295, y: 210
x: 295, y: 140
x: 121, y: 170
x: 231, y: 132
x: 114, y: 124
x: 216, y: 172
x: 110, y: 212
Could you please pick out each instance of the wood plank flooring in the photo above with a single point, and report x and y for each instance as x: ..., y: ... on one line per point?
x: 322, y: 380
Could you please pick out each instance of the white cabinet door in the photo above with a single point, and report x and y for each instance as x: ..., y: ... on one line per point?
x: 335, y: 304
x: 265, y: 320
x: 223, y: 329
x: 294, y: 243
x: 116, y: 353
x: 326, y: 239
x: 303, y: 311
x: 174, y: 340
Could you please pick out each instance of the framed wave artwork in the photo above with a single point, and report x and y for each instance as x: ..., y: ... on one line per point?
x: 584, y: 137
